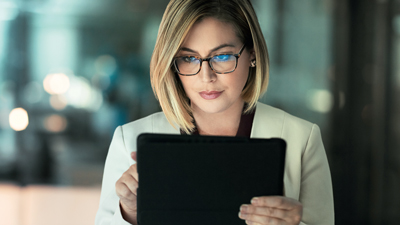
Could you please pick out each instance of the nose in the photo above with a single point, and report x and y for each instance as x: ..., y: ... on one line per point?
x: 206, y: 74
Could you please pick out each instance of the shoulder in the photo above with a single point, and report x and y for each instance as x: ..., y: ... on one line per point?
x: 282, y: 116
x: 277, y: 122
x: 145, y: 122
x: 154, y: 123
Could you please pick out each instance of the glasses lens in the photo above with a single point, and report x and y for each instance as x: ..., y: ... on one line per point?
x: 187, y: 65
x: 223, y: 63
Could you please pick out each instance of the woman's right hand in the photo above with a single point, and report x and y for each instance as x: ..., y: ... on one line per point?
x: 126, y: 188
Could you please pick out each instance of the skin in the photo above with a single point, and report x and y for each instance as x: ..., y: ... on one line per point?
x: 126, y: 188
x: 219, y: 116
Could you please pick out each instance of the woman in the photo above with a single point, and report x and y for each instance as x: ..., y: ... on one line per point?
x: 208, y: 70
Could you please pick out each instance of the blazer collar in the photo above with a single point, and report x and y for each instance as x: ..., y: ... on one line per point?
x: 268, y: 122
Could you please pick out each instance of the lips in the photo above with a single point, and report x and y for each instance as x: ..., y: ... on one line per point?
x: 209, y: 95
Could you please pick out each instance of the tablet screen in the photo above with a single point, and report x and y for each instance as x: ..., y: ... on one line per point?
x: 204, y: 179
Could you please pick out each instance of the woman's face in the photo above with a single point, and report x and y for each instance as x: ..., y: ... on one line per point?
x: 208, y: 91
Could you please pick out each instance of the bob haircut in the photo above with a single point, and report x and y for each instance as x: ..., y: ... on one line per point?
x: 177, y: 20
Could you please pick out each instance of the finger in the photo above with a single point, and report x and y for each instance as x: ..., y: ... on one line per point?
x: 264, y: 211
x: 124, y: 192
x: 131, y: 207
x: 129, y: 180
x: 133, y: 172
x: 133, y: 156
x: 276, y: 202
x: 133, y: 185
x: 257, y: 219
x: 252, y: 223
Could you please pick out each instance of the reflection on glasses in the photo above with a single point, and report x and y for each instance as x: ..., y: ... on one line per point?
x: 221, y: 64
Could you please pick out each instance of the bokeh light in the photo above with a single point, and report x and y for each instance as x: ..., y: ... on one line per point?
x: 102, y: 81
x: 83, y: 95
x: 320, y: 101
x: 105, y: 64
x: 55, y: 123
x: 33, y: 92
x: 58, y: 102
x: 18, y: 119
x: 57, y: 83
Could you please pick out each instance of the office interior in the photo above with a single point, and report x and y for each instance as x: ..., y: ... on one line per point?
x: 71, y: 71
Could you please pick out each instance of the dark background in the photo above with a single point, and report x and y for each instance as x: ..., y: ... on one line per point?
x: 333, y: 62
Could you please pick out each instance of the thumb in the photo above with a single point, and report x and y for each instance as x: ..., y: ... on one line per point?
x: 133, y: 156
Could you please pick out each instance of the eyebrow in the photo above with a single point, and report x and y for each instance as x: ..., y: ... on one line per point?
x: 212, y: 50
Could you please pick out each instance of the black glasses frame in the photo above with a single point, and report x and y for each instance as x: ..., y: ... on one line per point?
x: 209, y: 63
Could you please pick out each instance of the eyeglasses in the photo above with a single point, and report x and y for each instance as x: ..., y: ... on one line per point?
x: 221, y: 64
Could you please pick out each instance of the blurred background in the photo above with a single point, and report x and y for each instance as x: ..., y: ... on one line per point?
x: 71, y: 71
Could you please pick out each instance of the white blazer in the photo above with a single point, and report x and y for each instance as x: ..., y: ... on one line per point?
x: 307, y: 177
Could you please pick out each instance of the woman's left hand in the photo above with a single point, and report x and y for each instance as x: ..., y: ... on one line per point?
x: 272, y: 210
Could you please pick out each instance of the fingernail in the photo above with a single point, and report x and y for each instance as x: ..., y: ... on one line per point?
x: 243, y: 208
x: 242, y: 215
x: 254, y: 200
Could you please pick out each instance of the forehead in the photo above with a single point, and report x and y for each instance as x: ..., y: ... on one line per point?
x: 209, y: 33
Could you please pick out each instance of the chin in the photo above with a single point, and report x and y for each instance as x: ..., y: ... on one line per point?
x: 212, y: 107
x: 213, y: 110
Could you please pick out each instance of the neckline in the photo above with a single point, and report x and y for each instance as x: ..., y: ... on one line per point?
x: 245, y: 125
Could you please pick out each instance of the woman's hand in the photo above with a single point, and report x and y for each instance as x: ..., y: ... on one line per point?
x: 126, y: 188
x: 272, y: 210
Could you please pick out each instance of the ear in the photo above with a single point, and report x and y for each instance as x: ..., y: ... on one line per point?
x: 252, y: 57
x: 252, y: 54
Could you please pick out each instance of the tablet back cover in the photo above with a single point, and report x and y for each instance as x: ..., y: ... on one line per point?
x: 201, y: 180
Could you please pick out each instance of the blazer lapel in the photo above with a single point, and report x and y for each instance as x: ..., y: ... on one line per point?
x: 267, y: 123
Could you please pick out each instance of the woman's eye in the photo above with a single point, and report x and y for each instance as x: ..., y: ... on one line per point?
x: 188, y: 59
x: 222, y: 58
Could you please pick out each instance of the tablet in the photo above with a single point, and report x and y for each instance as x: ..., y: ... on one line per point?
x: 197, y: 180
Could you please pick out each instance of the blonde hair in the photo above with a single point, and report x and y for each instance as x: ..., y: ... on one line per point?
x: 177, y: 20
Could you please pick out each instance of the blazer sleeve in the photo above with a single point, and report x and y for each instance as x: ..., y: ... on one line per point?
x: 117, y: 162
x: 316, y: 193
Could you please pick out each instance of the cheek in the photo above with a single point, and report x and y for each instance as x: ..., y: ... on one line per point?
x: 241, y: 79
x: 186, y: 83
x: 242, y: 71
